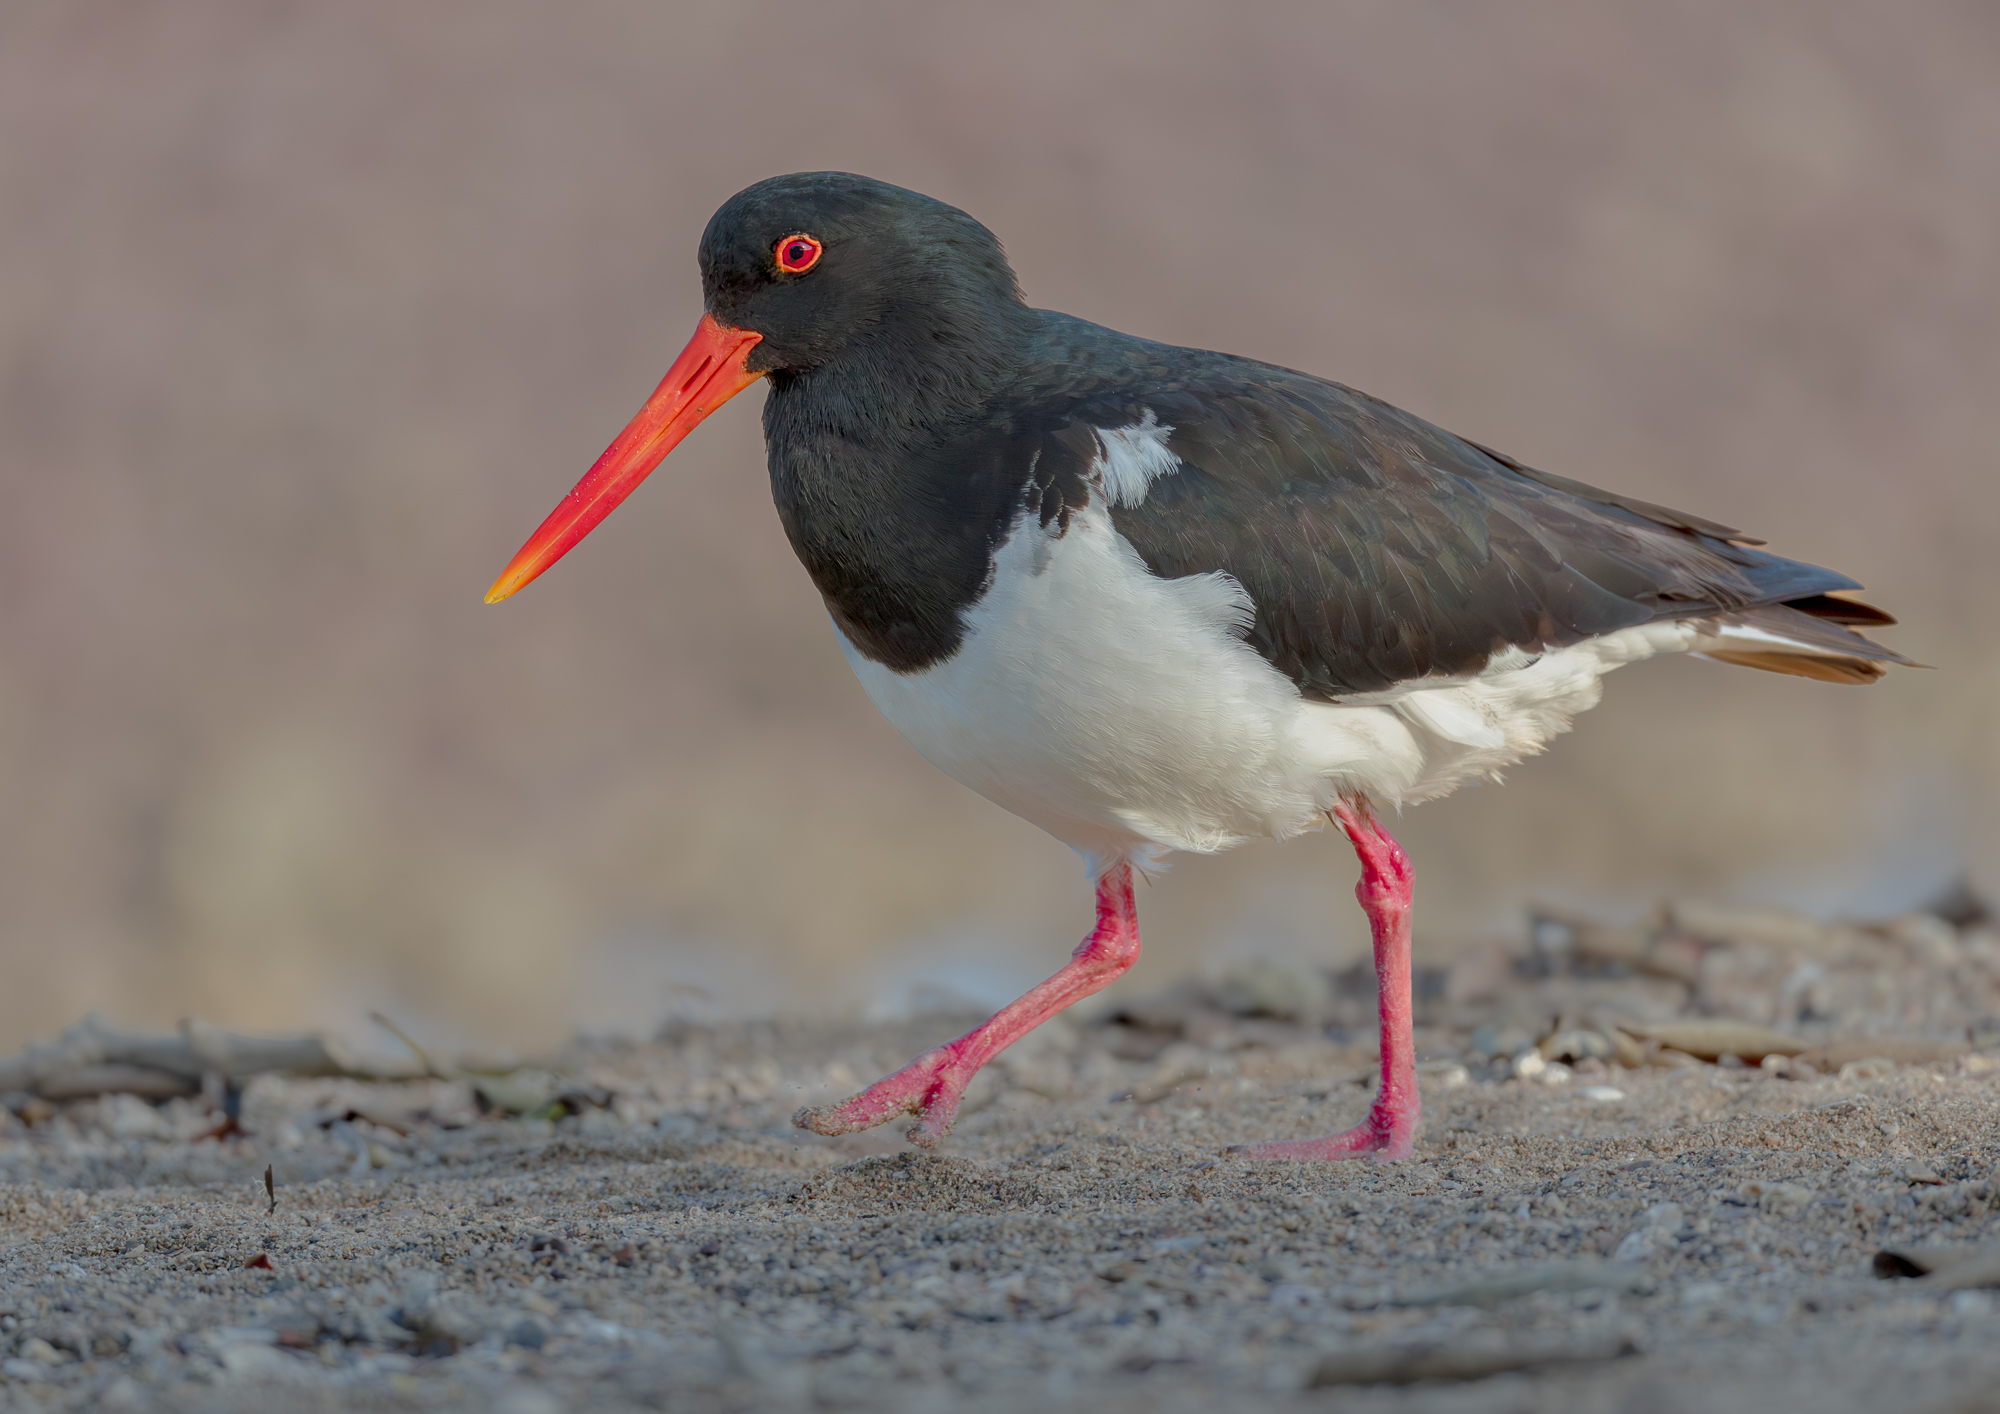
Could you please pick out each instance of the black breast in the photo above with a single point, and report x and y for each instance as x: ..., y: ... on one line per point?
x: 899, y: 535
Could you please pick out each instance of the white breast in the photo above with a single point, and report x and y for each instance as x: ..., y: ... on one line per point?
x: 1125, y: 715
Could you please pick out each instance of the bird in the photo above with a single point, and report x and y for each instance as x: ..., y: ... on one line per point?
x: 1157, y: 599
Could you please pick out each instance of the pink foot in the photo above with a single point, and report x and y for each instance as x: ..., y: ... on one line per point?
x: 1382, y: 1137
x: 931, y: 1086
x: 1385, y: 892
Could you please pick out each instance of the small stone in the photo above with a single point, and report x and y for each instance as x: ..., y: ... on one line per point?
x: 1637, y: 1247
x: 527, y: 1333
x: 1446, y: 1074
x: 1491, y: 1042
x: 129, y: 1117
x: 1772, y: 1197
x: 1263, y: 988
x: 1971, y: 1305
x: 1868, y: 1068
x: 520, y: 1093
x: 1577, y: 1044
x: 1602, y: 1094
x: 41, y: 1352
x: 253, y: 1359
x: 122, y: 1394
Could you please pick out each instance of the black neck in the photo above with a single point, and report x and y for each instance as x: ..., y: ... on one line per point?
x: 896, y: 474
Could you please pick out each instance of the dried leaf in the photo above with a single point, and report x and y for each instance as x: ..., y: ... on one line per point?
x: 1402, y: 1367
x: 1835, y: 1054
x: 1942, y: 1268
x: 1710, y: 1039
x: 1494, y: 1287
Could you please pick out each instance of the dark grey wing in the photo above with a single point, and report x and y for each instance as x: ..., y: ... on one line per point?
x: 1378, y: 548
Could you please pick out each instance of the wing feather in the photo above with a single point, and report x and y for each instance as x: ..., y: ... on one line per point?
x: 1378, y: 548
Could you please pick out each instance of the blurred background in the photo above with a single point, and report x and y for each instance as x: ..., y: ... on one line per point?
x: 309, y: 313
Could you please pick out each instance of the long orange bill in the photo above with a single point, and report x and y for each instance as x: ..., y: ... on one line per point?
x: 708, y: 374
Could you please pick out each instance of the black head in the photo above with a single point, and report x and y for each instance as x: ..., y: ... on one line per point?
x: 879, y: 316
x: 838, y: 271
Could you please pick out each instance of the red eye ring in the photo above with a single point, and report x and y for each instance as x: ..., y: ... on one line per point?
x: 798, y: 253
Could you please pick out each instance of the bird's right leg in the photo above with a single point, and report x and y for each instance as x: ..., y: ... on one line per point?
x: 1385, y: 891
x: 931, y: 1085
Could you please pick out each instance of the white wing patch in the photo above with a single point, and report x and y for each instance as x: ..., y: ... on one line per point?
x: 1133, y: 459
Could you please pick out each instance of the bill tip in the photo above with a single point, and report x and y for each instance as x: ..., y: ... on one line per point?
x: 503, y: 588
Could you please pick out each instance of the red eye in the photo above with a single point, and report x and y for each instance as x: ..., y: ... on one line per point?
x: 798, y: 254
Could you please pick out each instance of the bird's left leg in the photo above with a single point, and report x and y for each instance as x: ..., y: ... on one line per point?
x: 930, y: 1086
x: 1385, y: 891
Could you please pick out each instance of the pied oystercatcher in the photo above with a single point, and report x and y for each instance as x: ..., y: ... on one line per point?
x: 1155, y: 598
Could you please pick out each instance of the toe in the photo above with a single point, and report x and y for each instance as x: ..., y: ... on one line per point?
x: 821, y: 1119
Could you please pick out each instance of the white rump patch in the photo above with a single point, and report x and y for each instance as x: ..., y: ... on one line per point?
x: 1134, y: 458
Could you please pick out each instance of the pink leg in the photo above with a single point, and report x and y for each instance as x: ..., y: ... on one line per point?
x: 930, y: 1086
x: 1385, y: 890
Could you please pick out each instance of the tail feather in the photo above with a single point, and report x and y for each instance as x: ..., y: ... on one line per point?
x: 1808, y: 638
x: 1837, y: 608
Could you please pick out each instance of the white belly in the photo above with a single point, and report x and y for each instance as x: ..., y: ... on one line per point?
x: 1125, y: 715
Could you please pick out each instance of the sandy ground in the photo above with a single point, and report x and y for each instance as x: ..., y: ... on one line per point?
x: 1692, y: 1237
